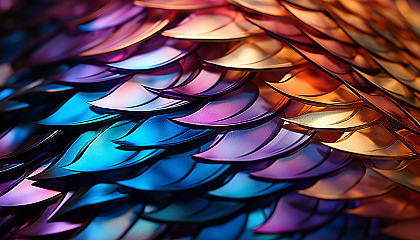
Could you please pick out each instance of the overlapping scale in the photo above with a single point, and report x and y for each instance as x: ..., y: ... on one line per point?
x: 394, y: 89
x: 390, y: 109
x: 177, y: 172
x: 194, y: 210
x: 140, y: 28
x: 258, y: 53
x: 19, y: 139
x: 373, y: 141
x: 311, y: 161
x: 114, y: 15
x: 69, y: 114
x: 216, y: 119
x: 171, y: 76
x: 162, y: 54
x: 216, y: 24
x: 87, y: 74
x: 315, y: 88
x: 242, y: 186
x: 43, y: 228
x: 332, y: 119
x: 209, y: 82
x: 248, y: 104
x: 90, y: 197
x: 143, y: 229
x: 56, y: 168
x: 106, y: 227
x: 180, y: 4
x: 270, y: 7
x: 68, y: 44
x: 239, y: 227
x: 295, y: 212
x: 22, y: 192
x: 265, y: 141
x: 398, y: 204
x: 165, y: 134
x: 352, y: 182
x: 316, y: 20
x: 345, y: 227
x: 136, y: 98
x: 110, y: 157
x: 404, y: 174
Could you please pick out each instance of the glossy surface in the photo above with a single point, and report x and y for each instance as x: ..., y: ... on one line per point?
x: 215, y: 119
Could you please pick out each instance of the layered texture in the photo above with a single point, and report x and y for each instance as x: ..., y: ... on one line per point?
x: 185, y: 119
